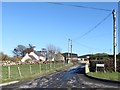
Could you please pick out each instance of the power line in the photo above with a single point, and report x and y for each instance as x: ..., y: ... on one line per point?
x: 91, y: 8
x: 87, y: 46
x: 79, y: 6
x: 94, y: 27
x: 88, y: 8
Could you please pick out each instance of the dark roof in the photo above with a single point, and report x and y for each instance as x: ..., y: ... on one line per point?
x: 32, y: 57
x: 66, y: 55
x: 38, y: 53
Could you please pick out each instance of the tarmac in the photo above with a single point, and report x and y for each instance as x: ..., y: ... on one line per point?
x: 72, y: 78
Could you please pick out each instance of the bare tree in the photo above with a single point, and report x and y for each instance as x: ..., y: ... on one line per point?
x: 44, y: 52
x: 3, y: 56
x: 52, y: 50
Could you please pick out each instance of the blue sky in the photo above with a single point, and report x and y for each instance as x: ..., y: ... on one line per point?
x: 41, y: 24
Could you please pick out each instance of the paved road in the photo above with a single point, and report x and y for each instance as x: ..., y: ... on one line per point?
x: 70, y: 78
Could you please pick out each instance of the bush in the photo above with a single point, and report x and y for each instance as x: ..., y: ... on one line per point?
x: 109, y: 65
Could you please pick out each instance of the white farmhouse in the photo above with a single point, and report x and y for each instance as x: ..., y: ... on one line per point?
x: 35, y: 56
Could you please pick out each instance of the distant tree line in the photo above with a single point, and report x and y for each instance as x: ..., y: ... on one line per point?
x: 5, y: 57
x: 100, y: 56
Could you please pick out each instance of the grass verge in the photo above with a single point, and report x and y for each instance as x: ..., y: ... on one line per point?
x: 106, y: 75
x: 26, y: 74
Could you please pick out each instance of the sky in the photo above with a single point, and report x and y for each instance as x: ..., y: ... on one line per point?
x: 42, y: 23
x: 119, y: 29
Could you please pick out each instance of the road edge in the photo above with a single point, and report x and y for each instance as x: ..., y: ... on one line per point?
x: 8, y: 83
x: 102, y: 79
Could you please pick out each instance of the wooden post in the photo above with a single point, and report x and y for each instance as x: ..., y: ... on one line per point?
x: 9, y: 71
x: 104, y: 70
x: 51, y: 65
x: 54, y: 64
x: 19, y: 72
x: 61, y: 63
x: 30, y: 69
x: 40, y: 67
x: 96, y: 68
x: 46, y: 66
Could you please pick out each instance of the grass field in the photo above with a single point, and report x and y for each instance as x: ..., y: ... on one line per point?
x: 106, y: 75
x: 27, y: 73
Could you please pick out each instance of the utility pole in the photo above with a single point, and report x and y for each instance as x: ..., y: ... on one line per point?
x: 114, y: 37
x: 68, y: 49
x: 71, y: 49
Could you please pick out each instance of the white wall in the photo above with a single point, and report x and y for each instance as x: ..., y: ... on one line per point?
x: 25, y: 58
x: 42, y: 58
x: 33, y: 54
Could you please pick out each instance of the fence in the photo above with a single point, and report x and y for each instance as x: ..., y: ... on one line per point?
x: 17, y: 72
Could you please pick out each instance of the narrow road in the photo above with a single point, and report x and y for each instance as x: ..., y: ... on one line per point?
x: 70, y: 78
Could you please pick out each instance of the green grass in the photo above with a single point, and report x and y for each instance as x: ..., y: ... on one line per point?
x: 25, y: 71
x: 106, y: 75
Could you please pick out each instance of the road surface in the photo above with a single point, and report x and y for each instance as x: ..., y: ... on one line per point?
x: 70, y: 78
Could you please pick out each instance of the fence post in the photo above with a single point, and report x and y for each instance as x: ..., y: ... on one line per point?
x: 40, y: 67
x: 54, y: 65
x: 19, y: 72
x: 63, y: 63
x: 51, y: 65
x: 46, y: 67
x: 9, y: 71
x: 60, y: 64
x: 30, y: 69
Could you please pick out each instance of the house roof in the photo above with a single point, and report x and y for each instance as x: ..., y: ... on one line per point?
x: 73, y: 55
x: 38, y: 53
x: 32, y: 57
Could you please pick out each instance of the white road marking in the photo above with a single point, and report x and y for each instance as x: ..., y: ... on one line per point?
x: 4, y: 84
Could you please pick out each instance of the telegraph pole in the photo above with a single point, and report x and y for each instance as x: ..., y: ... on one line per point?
x: 71, y: 49
x: 114, y: 37
x: 68, y: 49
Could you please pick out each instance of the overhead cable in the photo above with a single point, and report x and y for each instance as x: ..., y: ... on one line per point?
x: 80, y: 6
x: 93, y: 27
x: 87, y: 46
